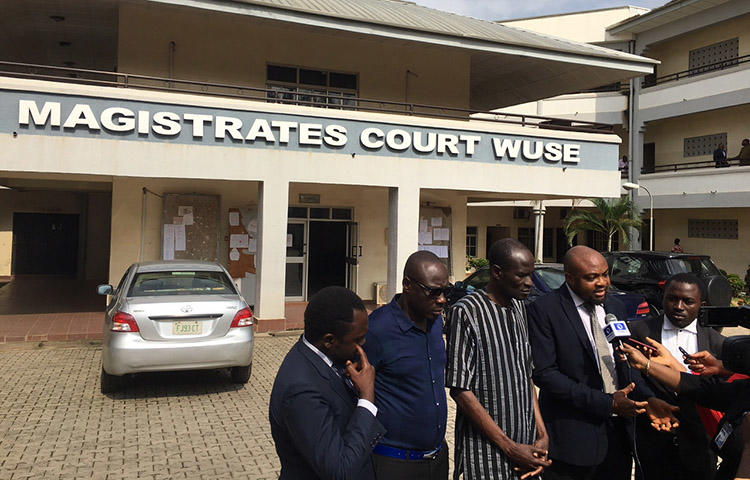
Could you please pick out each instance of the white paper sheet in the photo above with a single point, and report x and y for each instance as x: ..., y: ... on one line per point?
x: 188, y: 219
x: 440, y: 250
x: 423, y: 225
x: 252, y: 245
x: 425, y: 238
x: 180, y: 241
x: 289, y: 240
x: 252, y: 226
x: 183, y: 210
x: 238, y: 240
x: 234, y: 255
x: 177, y: 220
x: 234, y: 219
x: 436, y: 221
x: 441, y: 234
x: 168, y: 246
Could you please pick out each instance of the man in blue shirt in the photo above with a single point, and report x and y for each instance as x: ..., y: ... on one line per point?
x: 405, y: 345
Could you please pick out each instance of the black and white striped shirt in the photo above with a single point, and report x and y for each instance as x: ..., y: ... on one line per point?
x: 489, y: 353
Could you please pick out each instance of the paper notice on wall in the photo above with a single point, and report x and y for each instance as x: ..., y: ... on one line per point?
x: 234, y: 255
x: 441, y: 234
x: 423, y: 225
x: 180, y: 241
x: 168, y: 246
x: 289, y: 240
x: 183, y: 210
x: 177, y: 220
x: 188, y: 219
x: 238, y: 240
x: 425, y: 238
x: 440, y: 250
x: 252, y: 226
x: 252, y: 245
x: 436, y: 221
x: 234, y: 219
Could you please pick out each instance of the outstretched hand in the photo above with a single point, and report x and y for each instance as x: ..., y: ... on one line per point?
x: 704, y: 363
x: 661, y: 414
x: 622, y: 406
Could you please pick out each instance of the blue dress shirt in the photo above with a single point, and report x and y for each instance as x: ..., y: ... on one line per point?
x: 409, y: 378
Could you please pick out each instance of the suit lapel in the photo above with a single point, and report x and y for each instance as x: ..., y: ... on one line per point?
x: 571, y: 312
x: 703, y: 339
x: 336, y: 382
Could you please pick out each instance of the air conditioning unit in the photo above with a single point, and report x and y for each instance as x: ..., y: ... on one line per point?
x: 521, y: 213
x: 381, y: 293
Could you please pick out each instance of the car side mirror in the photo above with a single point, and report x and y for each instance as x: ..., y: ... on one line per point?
x: 105, y: 290
x: 459, y: 285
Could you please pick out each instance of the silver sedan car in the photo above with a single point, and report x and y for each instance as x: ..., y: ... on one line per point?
x: 175, y: 315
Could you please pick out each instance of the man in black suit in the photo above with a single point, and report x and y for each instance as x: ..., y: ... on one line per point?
x: 321, y: 428
x: 720, y: 156
x: 685, y: 453
x: 583, y: 390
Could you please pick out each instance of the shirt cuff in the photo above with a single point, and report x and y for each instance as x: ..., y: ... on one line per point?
x: 368, y: 405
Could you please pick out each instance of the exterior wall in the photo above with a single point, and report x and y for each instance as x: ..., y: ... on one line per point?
x: 674, y: 53
x: 229, y: 49
x: 733, y: 256
x: 669, y: 134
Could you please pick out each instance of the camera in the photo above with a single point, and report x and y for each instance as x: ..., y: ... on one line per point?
x: 736, y: 350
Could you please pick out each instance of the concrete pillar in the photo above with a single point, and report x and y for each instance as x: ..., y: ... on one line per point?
x: 458, y: 237
x: 270, y: 265
x: 403, y: 232
x: 539, y: 211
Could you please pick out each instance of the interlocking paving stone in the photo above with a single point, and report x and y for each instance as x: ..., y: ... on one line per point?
x: 55, y: 423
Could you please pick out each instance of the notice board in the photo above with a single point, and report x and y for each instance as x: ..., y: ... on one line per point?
x: 190, y: 229
x: 435, y: 232
x: 243, y: 241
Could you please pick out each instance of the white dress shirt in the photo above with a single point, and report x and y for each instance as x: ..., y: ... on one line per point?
x: 361, y: 402
x: 586, y: 319
x: 674, y: 337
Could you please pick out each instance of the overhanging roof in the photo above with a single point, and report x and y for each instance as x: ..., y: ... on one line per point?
x: 669, y: 12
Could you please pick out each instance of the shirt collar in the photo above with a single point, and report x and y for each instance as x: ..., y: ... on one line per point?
x: 692, y: 328
x: 402, y: 319
x: 578, y: 301
x: 317, y: 352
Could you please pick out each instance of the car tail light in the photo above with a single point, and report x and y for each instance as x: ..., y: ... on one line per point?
x: 643, y: 309
x: 123, y: 322
x: 244, y: 318
x: 662, y: 283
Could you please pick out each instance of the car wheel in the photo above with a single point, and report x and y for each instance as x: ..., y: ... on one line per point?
x: 110, y: 383
x: 241, y: 374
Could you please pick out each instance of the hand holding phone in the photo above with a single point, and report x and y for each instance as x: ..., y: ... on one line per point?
x: 685, y: 353
x: 646, y: 349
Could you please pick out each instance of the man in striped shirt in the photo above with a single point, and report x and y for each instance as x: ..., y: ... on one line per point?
x: 500, y: 433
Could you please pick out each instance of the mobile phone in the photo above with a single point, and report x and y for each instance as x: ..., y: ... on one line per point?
x: 636, y: 343
x: 684, y: 352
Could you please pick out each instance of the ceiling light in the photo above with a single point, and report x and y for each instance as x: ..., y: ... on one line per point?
x: 57, y: 18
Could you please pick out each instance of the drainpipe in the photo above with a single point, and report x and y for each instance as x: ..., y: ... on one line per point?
x: 143, y: 224
x: 406, y: 86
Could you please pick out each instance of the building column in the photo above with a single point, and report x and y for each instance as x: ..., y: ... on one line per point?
x: 539, y: 211
x: 459, y: 217
x: 270, y: 264
x: 403, y: 228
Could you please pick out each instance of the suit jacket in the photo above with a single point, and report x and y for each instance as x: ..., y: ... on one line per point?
x: 692, y: 442
x: 574, y: 407
x: 720, y: 158
x: 319, y: 431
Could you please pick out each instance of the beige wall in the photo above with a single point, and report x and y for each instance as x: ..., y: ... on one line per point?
x: 730, y: 255
x: 223, y: 48
x: 674, y: 53
x: 669, y: 135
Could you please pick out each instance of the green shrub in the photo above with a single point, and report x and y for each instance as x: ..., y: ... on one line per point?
x: 737, y: 283
x: 476, y: 262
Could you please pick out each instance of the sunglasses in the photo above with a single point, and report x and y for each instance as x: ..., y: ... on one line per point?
x: 433, y: 292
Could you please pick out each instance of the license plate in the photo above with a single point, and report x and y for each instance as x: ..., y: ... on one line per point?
x: 187, y: 327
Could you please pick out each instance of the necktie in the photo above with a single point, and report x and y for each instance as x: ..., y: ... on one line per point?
x: 347, y: 381
x: 606, y: 361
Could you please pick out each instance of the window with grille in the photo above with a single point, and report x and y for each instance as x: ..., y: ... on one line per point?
x: 307, y: 86
x: 526, y: 236
x: 471, y: 241
x: 703, y: 145
x: 716, y: 56
x: 713, y: 228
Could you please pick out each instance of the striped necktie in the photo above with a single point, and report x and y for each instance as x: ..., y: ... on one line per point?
x: 606, y: 361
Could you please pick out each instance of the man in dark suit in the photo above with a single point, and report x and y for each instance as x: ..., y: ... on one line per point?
x: 685, y: 453
x: 720, y: 156
x: 583, y: 390
x: 321, y: 429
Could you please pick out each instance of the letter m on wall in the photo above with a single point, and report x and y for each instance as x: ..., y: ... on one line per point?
x: 28, y: 110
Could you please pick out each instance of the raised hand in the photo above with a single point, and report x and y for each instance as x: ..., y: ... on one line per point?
x: 622, y: 406
x: 664, y: 357
x: 661, y: 414
x: 704, y: 363
x: 362, y: 375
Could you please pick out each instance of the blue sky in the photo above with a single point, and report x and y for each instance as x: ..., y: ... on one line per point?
x: 508, y: 9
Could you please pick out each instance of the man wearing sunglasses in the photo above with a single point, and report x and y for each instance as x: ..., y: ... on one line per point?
x: 405, y: 345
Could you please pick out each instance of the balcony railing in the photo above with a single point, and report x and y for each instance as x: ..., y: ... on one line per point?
x: 652, y: 80
x: 675, y: 167
x: 127, y: 80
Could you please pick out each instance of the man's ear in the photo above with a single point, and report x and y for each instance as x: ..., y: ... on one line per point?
x: 405, y: 284
x: 496, y: 271
x: 329, y: 340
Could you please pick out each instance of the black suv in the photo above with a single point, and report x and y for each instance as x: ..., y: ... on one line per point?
x: 646, y: 272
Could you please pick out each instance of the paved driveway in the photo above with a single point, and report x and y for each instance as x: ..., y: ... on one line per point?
x: 55, y: 424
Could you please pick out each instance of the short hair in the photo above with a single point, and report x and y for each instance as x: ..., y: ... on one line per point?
x: 417, y: 259
x: 331, y: 310
x: 690, y: 279
x: 502, y: 251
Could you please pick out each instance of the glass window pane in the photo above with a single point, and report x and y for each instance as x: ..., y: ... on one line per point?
x: 281, y: 74
x: 293, y: 280
x: 320, y: 213
x: 341, y: 214
x: 297, y: 212
x: 297, y: 231
x: 343, y: 80
x: 312, y: 77
x: 157, y: 284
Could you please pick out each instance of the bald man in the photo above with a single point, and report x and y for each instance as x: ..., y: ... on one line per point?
x: 588, y: 400
x: 405, y: 345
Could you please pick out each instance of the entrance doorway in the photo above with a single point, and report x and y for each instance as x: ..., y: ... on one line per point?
x: 494, y: 234
x: 45, y: 244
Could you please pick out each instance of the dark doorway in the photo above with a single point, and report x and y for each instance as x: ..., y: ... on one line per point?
x: 326, y: 258
x: 45, y: 244
x: 649, y: 158
x: 562, y: 244
x: 494, y: 234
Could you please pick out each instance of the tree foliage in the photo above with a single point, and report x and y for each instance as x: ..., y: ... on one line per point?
x: 611, y: 216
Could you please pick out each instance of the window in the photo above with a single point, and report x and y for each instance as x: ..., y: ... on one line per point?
x: 311, y: 86
x: 713, y: 228
x: 703, y: 145
x: 152, y: 284
x: 713, y: 57
x: 549, y: 242
x: 526, y: 236
x: 598, y: 241
x: 471, y: 241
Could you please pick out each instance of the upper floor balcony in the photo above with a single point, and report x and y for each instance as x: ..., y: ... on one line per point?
x: 609, y: 106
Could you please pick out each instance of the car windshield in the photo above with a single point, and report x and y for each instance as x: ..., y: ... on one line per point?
x: 698, y: 265
x: 552, y: 277
x: 479, y: 280
x: 149, y: 284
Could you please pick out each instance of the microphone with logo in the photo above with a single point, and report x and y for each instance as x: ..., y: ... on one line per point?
x: 615, y: 330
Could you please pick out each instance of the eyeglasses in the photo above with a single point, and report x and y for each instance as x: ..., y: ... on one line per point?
x: 433, y: 292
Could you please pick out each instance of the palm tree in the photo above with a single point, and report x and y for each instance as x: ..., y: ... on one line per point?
x: 611, y: 216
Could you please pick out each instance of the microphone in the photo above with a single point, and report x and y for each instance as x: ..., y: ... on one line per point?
x: 615, y: 330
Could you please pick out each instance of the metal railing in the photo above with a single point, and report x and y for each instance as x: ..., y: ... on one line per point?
x: 675, y: 167
x: 129, y: 80
x: 712, y: 67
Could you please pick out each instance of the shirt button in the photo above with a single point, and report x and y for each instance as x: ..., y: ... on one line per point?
x: 438, y: 403
x: 433, y: 381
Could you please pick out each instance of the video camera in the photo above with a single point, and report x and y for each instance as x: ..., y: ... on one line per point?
x: 736, y: 350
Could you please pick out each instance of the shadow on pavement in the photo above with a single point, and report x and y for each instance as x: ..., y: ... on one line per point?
x: 175, y: 384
